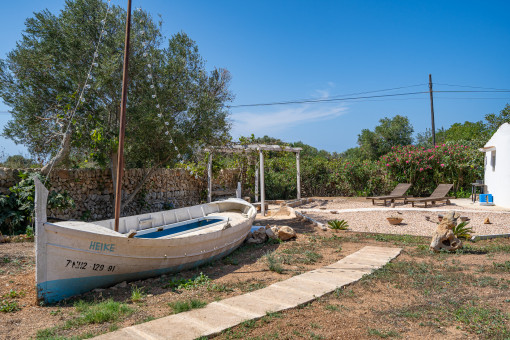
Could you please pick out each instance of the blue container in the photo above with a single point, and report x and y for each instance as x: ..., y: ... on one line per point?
x: 486, y: 198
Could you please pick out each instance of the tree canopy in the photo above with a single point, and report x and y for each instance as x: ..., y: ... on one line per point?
x: 41, y: 78
x: 390, y: 132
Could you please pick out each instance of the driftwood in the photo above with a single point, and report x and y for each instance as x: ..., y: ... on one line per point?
x: 443, y: 237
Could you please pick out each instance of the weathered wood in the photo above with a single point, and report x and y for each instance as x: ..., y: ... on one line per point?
x: 256, y: 185
x: 252, y: 147
x: 209, y: 178
x: 262, y: 185
x: 74, y: 257
x: 122, y: 127
x: 298, y: 175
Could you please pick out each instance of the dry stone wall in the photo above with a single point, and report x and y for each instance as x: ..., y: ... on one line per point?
x: 92, y: 190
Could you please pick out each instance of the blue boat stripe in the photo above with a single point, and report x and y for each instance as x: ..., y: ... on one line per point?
x: 57, y: 290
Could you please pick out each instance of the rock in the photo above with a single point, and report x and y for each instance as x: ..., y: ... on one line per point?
x: 123, y: 284
x: 286, y: 233
x: 487, y: 221
x: 258, y: 236
x: 250, y: 235
x: 443, y: 237
x: 271, y: 234
x: 4, y: 239
x: 98, y: 290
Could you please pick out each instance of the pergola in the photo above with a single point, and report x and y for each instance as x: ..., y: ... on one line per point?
x: 260, y: 148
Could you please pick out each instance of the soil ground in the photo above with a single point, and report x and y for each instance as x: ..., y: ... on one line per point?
x: 419, y: 295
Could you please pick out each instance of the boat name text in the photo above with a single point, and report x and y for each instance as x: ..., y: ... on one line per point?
x: 102, y: 246
x: 83, y: 265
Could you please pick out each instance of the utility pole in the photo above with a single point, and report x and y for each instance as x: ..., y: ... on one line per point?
x: 432, y: 110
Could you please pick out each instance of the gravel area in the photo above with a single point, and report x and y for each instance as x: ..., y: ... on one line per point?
x: 362, y: 216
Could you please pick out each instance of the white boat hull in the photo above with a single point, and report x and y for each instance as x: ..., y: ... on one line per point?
x: 75, y: 257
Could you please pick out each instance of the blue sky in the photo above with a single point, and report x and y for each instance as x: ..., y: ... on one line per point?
x: 288, y: 50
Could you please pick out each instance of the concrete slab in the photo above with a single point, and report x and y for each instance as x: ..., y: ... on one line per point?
x: 298, y: 290
x: 256, y: 302
x: 301, y: 284
x: 217, y: 318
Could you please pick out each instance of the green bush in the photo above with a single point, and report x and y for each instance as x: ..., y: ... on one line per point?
x: 17, y: 208
x: 425, y: 168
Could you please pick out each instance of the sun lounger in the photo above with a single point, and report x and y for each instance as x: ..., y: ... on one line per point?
x: 397, y: 193
x: 437, y: 196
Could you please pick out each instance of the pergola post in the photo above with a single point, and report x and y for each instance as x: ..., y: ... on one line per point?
x: 256, y: 185
x: 262, y: 191
x: 298, y: 171
x: 209, y: 178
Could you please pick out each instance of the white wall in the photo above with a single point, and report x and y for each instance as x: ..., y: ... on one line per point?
x: 497, y: 176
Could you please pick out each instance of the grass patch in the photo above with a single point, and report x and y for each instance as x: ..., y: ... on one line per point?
x: 195, y: 282
x: 105, y: 311
x: 402, y: 240
x: 332, y: 308
x: 488, y: 322
x: 274, y: 262
x: 230, y: 260
x: 8, y: 306
x: 383, y: 334
x: 184, y: 306
x: 501, y: 267
x: 219, y: 288
x: 13, y: 294
x: 137, y: 294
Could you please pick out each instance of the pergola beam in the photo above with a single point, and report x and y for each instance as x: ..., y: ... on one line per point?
x: 260, y: 148
x: 251, y: 147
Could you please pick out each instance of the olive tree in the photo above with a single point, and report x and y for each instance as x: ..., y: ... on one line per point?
x: 42, y: 79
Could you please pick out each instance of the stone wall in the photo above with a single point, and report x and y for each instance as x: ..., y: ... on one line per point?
x: 92, y: 190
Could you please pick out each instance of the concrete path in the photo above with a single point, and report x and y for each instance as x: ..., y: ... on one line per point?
x: 300, y: 289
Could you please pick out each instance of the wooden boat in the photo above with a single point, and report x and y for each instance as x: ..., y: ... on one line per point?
x: 74, y: 257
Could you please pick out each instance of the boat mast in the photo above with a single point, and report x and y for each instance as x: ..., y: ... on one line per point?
x: 122, y: 128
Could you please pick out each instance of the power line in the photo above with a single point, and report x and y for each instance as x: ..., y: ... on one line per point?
x: 326, y: 100
x: 472, y: 98
x: 473, y: 91
x: 473, y: 87
x: 390, y: 89
x: 344, y: 98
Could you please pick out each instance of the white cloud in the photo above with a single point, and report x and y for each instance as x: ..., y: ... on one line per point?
x: 274, y: 120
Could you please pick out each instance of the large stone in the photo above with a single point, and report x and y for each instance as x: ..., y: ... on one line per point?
x: 271, y: 234
x: 258, y: 236
x: 443, y: 237
x: 286, y: 233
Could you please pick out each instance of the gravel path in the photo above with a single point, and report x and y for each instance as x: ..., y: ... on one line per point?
x: 362, y: 216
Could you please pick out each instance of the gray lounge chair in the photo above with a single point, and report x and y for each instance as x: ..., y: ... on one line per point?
x: 437, y: 196
x: 397, y: 193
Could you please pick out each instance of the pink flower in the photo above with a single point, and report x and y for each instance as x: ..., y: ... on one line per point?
x: 442, y: 165
x: 407, y: 161
x: 421, y: 169
x: 387, y: 164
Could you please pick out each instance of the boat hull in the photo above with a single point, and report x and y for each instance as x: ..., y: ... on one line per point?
x: 78, y: 257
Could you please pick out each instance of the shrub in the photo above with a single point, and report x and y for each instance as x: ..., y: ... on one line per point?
x: 452, y: 163
x: 17, y: 208
x: 461, y: 230
x: 338, y: 225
